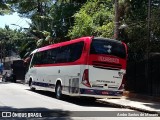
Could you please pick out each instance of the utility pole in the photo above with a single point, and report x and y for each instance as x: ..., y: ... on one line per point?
x: 116, y: 21
x: 1, y: 51
x: 149, y: 26
x: 148, y: 42
x: 2, y: 48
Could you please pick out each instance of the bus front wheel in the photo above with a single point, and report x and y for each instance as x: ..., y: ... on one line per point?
x: 58, y: 91
x: 30, y: 85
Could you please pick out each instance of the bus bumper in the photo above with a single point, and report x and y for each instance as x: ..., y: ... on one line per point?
x: 100, y: 93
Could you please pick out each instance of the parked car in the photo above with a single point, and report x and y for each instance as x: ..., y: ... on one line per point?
x: 8, y: 77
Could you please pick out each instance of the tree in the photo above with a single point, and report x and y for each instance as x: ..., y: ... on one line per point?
x: 4, y: 7
x: 136, y: 17
x: 62, y: 16
x: 94, y: 18
x: 12, y: 40
x: 50, y: 19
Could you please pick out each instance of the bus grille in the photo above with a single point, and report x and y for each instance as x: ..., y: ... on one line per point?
x: 105, y: 65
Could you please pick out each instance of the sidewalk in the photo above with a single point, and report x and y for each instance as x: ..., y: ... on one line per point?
x: 136, y: 102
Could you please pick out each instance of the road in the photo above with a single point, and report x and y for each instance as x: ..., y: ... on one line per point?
x: 19, y: 101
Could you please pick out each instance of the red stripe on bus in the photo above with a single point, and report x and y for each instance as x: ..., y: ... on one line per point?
x: 58, y: 64
x: 107, y: 59
x: 92, y: 60
x: 86, y: 39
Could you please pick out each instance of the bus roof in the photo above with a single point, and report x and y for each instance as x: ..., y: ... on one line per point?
x: 72, y: 41
x: 108, y: 39
x: 34, y: 51
x: 63, y: 43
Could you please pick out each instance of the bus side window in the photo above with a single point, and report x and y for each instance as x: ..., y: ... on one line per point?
x: 53, y: 54
x: 44, y: 57
x: 36, y: 59
x: 50, y: 59
x: 92, y: 49
x: 76, y: 49
x: 63, y: 54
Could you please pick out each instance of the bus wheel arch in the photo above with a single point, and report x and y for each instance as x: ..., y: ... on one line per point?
x: 58, y: 89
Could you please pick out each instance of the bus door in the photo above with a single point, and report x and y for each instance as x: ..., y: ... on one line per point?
x: 32, y: 71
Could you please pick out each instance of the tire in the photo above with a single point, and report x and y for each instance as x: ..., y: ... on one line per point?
x: 58, y: 91
x: 14, y: 79
x: 3, y: 79
x: 30, y: 85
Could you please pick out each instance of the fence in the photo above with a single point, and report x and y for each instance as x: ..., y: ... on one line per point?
x: 137, y: 80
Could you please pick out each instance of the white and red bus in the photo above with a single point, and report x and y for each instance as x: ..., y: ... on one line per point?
x: 87, y: 66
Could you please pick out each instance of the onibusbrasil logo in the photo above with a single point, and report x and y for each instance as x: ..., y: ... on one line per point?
x: 21, y: 114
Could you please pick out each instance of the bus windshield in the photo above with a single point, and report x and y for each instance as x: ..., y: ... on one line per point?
x: 108, y: 47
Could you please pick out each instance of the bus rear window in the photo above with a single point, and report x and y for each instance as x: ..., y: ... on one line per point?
x: 108, y: 47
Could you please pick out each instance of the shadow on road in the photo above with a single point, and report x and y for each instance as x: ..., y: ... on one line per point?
x: 9, y: 113
x: 81, y: 101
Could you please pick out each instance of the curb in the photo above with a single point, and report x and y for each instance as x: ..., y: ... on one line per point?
x: 129, y: 94
x: 129, y: 107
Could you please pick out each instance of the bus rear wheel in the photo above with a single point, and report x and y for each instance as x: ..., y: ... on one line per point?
x: 58, y: 91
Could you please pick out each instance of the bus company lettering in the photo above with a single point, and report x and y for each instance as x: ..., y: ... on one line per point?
x: 108, y: 59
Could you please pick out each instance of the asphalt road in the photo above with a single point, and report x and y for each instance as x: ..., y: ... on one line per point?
x: 18, y: 102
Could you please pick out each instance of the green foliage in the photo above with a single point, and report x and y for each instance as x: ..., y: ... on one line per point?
x: 106, y: 30
x: 11, y: 40
x: 4, y: 8
x: 43, y: 38
x: 27, y: 47
x: 50, y: 20
x: 95, y: 18
x: 83, y: 25
x: 135, y: 15
x: 62, y: 18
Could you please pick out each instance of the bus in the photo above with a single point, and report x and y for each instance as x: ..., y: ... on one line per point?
x: 88, y: 66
